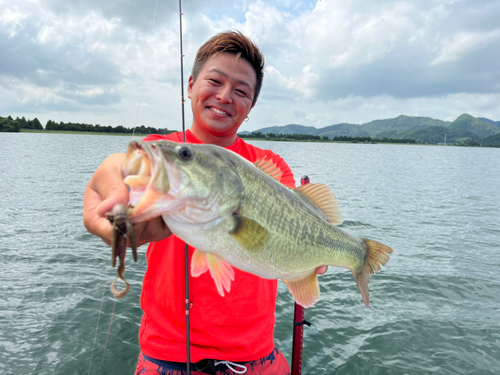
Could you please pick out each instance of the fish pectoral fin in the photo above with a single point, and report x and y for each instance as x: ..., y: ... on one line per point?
x: 269, y: 167
x: 199, y: 263
x: 322, y: 197
x: 249, y: 234
x: 221, y: 271
x: 305, y: 291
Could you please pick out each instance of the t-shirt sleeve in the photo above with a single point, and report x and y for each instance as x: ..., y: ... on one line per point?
x: 287, y: 178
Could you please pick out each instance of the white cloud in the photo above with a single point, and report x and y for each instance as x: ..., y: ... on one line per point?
x: 327, y: 61
x: 12, y: 19
x: 463, y: 43
x: 297, y: 84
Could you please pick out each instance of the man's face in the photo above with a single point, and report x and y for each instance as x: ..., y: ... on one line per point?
x: 222, y: 96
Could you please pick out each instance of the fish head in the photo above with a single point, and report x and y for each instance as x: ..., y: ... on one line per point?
x: 193, y: 183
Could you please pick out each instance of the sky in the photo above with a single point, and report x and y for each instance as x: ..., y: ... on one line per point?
x: 117, y: 62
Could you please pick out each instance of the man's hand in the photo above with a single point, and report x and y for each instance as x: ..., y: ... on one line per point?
x: 106, y: 189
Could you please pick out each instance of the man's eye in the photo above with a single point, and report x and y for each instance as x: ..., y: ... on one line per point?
x: 214, y: 81
x: 242, y: 93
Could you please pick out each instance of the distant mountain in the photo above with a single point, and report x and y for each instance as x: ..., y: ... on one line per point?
x: 488, y: 120
x: 374, y: 128
x: 492, y: 141
x: 288, y: 129
x: 402, y: 123
x: 422, y: 129
x: 438, y: 134
x: 482, y: 128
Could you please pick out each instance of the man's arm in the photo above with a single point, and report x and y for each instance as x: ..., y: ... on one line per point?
x: 106, y: 189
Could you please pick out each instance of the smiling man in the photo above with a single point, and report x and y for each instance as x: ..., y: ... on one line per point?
x: 231, y: 334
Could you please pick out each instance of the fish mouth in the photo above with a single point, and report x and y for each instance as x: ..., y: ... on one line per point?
x: 149, y: 181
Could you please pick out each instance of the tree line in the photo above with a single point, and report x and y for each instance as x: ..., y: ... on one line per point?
x: 8, y: 124
x: 310, y: 137
x: 295, y: 137
x: 78, y: 127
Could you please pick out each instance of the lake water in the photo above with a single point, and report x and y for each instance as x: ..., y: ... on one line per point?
x: 434, y: 308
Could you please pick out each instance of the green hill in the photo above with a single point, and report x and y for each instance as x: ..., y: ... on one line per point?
x: 437, y: 134
x: 466, y: 129
x: 400, y: 124
x: 481, y: 128
x: 492, y: 141
x: 349, y: 130
x: 497, y: 123
x: 288, y: 129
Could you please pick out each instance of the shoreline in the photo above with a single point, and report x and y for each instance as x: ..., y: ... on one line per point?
x: 250, y: 139
x: 77, y: 132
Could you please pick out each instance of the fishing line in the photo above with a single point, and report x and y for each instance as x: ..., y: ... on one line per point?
x: 107, y: 272
x: 107, y: 337
x: 142, y: 80
x: 99, y: 317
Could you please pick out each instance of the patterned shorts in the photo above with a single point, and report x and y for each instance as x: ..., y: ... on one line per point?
x: 274, y: 363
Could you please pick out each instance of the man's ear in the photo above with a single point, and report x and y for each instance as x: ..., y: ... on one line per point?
x: 190, y: 85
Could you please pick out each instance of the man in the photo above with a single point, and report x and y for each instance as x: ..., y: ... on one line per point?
x: 234, y: 333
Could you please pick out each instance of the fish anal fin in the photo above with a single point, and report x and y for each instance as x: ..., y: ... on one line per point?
x: 269, y: 167
x: 249, y: 234
x: 305, y: 291
x: 199, y: 263
x: 322, y: 197
x: 221, y: 271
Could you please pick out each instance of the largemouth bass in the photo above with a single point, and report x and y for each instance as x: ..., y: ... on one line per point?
x: 236, y: 213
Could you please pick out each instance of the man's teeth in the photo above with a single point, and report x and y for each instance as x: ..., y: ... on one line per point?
x: 217, y: 111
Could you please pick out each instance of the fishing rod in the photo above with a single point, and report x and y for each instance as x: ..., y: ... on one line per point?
x: 298, y: 324
x: 186, y: 248
x: 299, y: 321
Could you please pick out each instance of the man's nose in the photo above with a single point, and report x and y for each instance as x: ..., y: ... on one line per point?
x: 225, y: 94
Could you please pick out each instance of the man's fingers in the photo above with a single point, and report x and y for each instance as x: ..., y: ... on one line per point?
x: 321, y: 270
x: 151, y: 231
x: 104, y: 190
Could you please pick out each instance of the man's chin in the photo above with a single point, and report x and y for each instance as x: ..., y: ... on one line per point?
x: 220, y: 128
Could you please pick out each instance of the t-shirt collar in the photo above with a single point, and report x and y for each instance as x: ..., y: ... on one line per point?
x: 190, y: 138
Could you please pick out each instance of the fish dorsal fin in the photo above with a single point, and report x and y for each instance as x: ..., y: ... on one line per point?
x: 269, y: 167
x: 221, y: 271
x: 305, y: 291
x: 322, y: 197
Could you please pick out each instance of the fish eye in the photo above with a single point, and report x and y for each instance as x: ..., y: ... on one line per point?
x: 185, y: 153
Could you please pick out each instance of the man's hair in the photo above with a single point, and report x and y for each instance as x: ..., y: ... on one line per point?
x: 236, y: 43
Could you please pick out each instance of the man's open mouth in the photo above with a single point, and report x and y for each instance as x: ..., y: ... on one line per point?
x: 220, y: 111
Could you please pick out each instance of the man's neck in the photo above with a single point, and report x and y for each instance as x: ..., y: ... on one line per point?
x: 224, y: 140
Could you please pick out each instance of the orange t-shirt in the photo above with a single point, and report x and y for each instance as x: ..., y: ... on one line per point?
x: 238, y: 327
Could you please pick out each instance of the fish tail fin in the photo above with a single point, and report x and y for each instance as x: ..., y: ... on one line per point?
x: 376, y: 257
